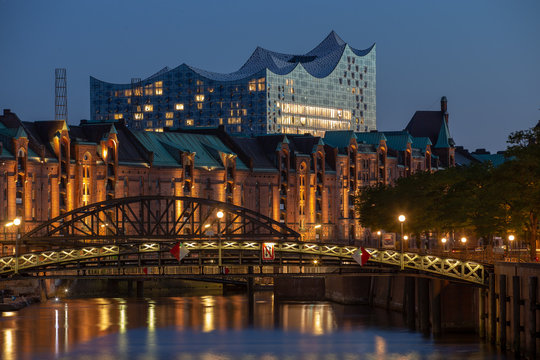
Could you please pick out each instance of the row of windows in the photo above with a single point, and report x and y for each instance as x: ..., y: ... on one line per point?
x: 315, y: 111
x: 157, y: 88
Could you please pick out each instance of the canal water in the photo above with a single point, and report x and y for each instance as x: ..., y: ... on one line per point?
x: 219, y: 328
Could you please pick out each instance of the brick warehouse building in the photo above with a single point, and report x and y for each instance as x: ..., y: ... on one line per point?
x: 49, y: 168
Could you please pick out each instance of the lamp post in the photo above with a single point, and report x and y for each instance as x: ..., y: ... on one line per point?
x: 16, y: 222
x: 317, y: 234
x: 401, y: 219
x: 443, y: 240
x: 464, y: 241
x: 511, y: 239
x: 379, y: 233
x: 219, y: 217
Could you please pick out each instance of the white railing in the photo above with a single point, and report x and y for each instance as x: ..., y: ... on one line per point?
x: 464, y: 270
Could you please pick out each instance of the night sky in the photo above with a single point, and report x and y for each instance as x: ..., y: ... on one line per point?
x: 484, y: 55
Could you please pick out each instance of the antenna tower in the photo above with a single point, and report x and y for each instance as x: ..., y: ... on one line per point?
x: 60, y: 94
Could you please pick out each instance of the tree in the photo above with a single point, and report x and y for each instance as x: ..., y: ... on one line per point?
x: 521, y: 178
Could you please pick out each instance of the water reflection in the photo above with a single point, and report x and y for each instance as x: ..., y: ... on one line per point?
x: 215, y: 327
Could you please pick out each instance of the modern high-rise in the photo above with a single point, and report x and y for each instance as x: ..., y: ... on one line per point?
x: 332, y: 87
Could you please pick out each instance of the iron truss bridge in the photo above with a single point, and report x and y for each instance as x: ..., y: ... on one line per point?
x: 230, y: 253
x: 139, y: 218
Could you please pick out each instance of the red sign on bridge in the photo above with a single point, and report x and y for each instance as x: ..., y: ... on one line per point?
x: 268, y: 251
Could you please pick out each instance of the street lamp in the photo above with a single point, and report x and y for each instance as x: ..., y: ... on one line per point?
x: 464, y: 241
x: 443, y: 240
x: 511, y: 239
x: 401, y: 219
x: 379, y: 233
x: 219, y: 215
x: 317, y: 231
x: 16, y: 222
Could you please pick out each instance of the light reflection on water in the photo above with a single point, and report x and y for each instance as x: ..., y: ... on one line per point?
x: 217, y: 327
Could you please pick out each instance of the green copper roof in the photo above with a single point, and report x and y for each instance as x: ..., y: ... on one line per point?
x: 372, y: 138
x: 338, y: 139
x: 165, y: 145
x: 20, y: 133
x: 398, y: 140
x: 421, y: 143
x: 496, y: 159
x: 443, y: 141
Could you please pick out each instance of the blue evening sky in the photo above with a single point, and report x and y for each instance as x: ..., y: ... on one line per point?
x: 484, y: 55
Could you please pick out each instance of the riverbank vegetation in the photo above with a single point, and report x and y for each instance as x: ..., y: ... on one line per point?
x: 479, y: 201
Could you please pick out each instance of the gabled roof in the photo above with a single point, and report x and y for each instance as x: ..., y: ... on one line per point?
x: 495, y: 159
x: 463, y: 157
x: 205, y: 147
x: 431, y: 124
x: 372, y: 138
x: 421, y: 143
x: 398, y: 140
x: 256, y: 155
x: 340, y: 139
x: 129, y: 150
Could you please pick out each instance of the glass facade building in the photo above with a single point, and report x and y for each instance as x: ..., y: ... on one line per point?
x: 332, y: 87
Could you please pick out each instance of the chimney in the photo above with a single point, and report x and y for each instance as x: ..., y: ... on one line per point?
x: 444, y: 108
x: 7, y: 111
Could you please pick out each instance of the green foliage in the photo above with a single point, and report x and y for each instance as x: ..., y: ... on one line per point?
x: 478, y: 200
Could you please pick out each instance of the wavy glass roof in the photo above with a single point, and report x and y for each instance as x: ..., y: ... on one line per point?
x: 319, y: 62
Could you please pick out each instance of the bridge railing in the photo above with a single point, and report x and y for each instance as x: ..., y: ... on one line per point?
x: 448, y: 267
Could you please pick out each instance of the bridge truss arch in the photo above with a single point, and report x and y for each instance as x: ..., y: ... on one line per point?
x: 156, y: 218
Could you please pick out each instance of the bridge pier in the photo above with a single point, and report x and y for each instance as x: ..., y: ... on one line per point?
x: 130, y: 287
x: 250, y: 296
x: 409, y: 306
x: 513, y: 308
x: 140, y: 288
x: 436, y: 286
x: 423, y: 304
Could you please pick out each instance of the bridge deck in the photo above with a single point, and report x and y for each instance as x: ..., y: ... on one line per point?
x: 231, y: 253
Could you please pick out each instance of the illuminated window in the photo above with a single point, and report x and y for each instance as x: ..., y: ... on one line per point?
x: 149, y: 123
x: 169, y: 123
x: 199, y: 82
x: 179, y: 107
x: 199, y: 98
x: 169, y: 115
x: 252, y: 85
x: 149, y: 90
x: 118, y: 116
x: 127, y: 92
x: 159, y: 87
x: 261, y: 84
x: 148, y: 107
x: 189, y: 122
x: 139, y: 116
x: 199, y: 106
